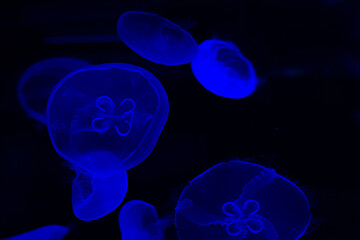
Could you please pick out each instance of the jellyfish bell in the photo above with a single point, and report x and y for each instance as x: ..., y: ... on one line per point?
x: 156, y: 38
x: 139, y: 220
x: 107, y: 118
x: 242, y: 200
x: 95, y: 197
x: 50, y: 232
x: 37, y: 82
x: 221, y: 68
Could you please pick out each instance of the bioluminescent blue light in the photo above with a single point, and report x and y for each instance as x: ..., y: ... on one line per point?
x: 156, y: 38
x: 50, y: 232
x: 94, y: 197
x: 37, y: 82
x: 107, y: 118
x: 140, y: 221
x: 221, y: 68
x: 241, y: 200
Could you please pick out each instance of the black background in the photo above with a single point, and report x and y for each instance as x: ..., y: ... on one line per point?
x: 303, y: 120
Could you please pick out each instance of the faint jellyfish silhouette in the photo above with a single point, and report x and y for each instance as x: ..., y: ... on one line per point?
x: 156, y: 38
x: 240, y: 200
x: 37, y: 82
x: 107, y: 118
x: 50, y: 232
x: 140, y: 221
x: 223, y: 70
x: 94, y: 197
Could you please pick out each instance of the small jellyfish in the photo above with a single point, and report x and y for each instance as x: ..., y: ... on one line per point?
x: 37, y: 82
x: 94, y: 197
x: 50, y: 232
x: 107, y: 118
x: 240, y: 200
x: 156, y: 38
x: 140, y: 221
x: 223, y: 70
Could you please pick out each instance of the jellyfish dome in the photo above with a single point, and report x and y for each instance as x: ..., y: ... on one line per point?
x: 37, y: 82
x: 156, y: 38
x: 106, y: 118
x: 241, y: 200
x: 223, y: 70
x: 95, y: 197
x: 50, y: 232
x: 139, y: 220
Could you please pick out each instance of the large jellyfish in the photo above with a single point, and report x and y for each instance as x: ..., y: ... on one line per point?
x: 105, y: 119
x: 50, y: 232
x: 223, y: 70
x: 241, y: 200
x: 140, y: 221
x: 156, y: 38
x: 37, y: 82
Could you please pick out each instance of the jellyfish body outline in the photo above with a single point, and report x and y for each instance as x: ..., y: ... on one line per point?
x: 67, y: 65
x: 194, y: 217
x: 152, y: 132
x: 49, y: 232
x: 156, y: 38
x: 216, y: 68
x: 95, y: 197
x: 139, y: 220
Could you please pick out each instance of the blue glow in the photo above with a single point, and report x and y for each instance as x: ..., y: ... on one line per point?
x: 240, y: 200
x: 156, y: 38
x: 140, y: 221
x: 93, y: 198
x: 223, y: 70
x: 37, y: 82
x: 105, y: 119
x: 50, y: 232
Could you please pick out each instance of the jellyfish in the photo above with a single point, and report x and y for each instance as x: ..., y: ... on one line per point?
x: 156, y: 38
x: 104, y: 120
x: 95, y: 197
x: 241, y: 200
x: 50, y: 232
x: 223, y: 70
x: 37, y: 82
x: 140, y: 221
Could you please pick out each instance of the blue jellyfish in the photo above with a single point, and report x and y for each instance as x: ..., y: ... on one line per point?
x: 241, y: 200
x: 156, y: 38
x: 140, y: 221
x: 50, y: 232
x: 104, y: 120
x: 37, y: 82
x: 107, y: 118
x: 94, y: 197
x: 223, y: 70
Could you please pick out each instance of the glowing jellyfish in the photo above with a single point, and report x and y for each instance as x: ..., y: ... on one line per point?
x: 104, y: 120
x: 50, y: 232
x: 156, y: 38
x: 94, y: 197
x: 37, y: 82
x: 107, y: 118
x: 140, y: 221
x: 223, y: 70
x: 240, y: 200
